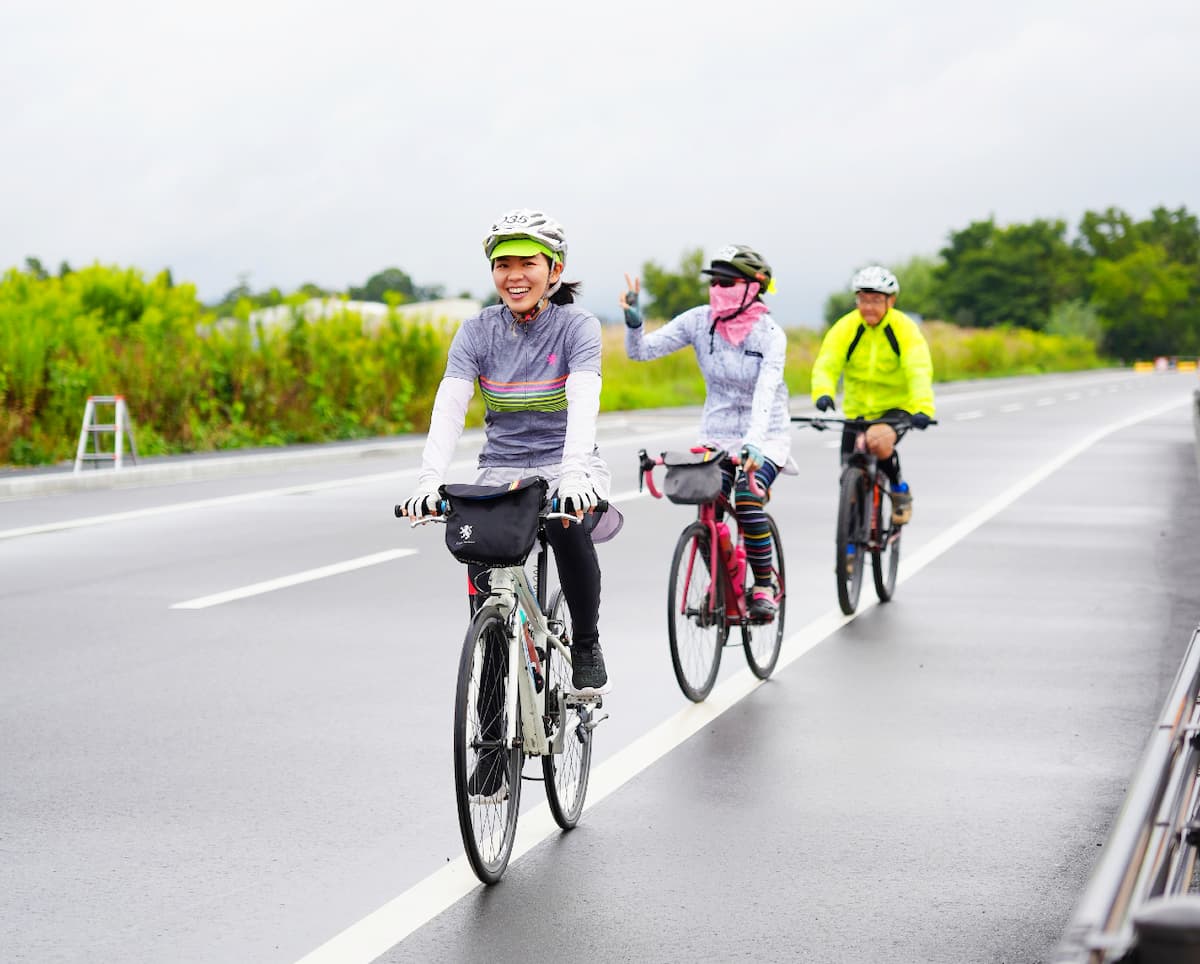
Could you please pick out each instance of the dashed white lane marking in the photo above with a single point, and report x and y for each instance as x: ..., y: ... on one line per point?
x: 1012, y: 407
x: 283, y: 582
x: 967, y: 416
x: 1073, y: 396
x: 95, y: 520
x: 1043, y: 402
x: 323, y: 572
x: 386, y: 927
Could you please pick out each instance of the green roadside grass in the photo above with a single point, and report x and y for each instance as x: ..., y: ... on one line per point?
x: 195, y: 383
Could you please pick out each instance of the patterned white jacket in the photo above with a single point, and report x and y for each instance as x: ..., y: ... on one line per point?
x: 746, y: 400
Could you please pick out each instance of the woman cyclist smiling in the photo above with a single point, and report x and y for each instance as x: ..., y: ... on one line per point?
x: 536, y: 358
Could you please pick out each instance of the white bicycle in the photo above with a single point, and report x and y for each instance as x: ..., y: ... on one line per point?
x: 514, y: 698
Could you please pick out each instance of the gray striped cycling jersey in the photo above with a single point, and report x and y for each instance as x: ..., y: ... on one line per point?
x: 522, y: 370
x: 746, y: 402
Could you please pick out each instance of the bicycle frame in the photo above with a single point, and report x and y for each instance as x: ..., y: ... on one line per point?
x: 878, y: 532
x: 731, y: 565
x: 528, y: 627
x: 528, y: 624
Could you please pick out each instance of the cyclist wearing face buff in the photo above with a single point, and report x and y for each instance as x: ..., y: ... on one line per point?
x: 536, y: 358
x: 741, y: 351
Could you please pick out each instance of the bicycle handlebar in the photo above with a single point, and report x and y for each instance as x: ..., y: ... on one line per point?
x: 646, y: 466
x: 822, y: 422
x: 551, y: 512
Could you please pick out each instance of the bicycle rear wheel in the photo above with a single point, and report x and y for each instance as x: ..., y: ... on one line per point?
x: 566, y: 774
x: 886, y: 559
x: 849, y: 562
x: 487, y: 771
x: 762, y: 640
x: 695, y: 622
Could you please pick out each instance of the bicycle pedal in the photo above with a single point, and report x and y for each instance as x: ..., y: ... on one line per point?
x: 593, y: 700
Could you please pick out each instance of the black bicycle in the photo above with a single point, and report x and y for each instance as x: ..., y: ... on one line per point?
x: 864, y: 521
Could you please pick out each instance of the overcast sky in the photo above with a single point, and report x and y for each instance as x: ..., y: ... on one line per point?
x: 322, y: 142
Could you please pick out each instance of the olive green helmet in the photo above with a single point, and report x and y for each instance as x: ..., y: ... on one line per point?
x: 739, y: 260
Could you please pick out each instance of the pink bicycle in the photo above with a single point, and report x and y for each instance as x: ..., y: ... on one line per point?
x: 703, y: 608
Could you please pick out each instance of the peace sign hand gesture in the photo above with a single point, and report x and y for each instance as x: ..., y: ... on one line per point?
x: 629, y: 302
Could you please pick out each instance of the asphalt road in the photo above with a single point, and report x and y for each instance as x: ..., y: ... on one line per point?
x: 265, y: 776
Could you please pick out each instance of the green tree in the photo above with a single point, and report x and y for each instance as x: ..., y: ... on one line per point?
x: 918, y: 286
x: 1146, y: 302
x: 1014, y: 275
x: 389, y: 279
x: 673, y: 292
x: 1177, y: 231
x: 1111, y: 234
x: 1076, y: 318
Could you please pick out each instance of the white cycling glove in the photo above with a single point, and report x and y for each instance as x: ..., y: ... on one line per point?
x: 576, y: 494
x: 422, y: 502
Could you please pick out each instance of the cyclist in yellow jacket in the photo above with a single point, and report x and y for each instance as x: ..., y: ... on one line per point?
x: 883, y: 359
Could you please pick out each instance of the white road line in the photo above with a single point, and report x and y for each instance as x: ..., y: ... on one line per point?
x: 386, y: 927
x: 1012, y: 407
x: 967, y: 416
x: 300, y: 489
x: 95, y: 520
x: 1043, y: 402
x: 1074, y: 396
x: 283, y: 582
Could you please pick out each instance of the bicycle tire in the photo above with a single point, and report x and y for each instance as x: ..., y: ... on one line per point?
x: 566, y: 774
x: 885, y: 560
x: 488, y: 824
x: 696, y: 630
x: 763, y: 641
x: 850, y: 559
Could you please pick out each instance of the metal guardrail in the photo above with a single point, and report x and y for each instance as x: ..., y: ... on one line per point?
x: 1196, y: 424
x: 1138, y: 904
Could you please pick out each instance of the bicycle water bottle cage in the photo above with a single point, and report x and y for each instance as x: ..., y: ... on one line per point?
x: 494, y: 525
x: 693, y: 478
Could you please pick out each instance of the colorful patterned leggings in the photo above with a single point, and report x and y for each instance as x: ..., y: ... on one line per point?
x: 751, y: 517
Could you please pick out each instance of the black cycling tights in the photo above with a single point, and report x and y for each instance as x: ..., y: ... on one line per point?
x: 578, y: 574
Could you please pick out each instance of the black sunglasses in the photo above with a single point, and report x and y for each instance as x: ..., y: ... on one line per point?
x: 724, y: 282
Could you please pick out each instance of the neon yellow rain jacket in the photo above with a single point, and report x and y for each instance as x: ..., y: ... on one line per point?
x: 884, y: 367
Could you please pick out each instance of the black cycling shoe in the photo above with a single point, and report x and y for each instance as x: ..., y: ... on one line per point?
x: 588, y: 674
x: 489, y: 778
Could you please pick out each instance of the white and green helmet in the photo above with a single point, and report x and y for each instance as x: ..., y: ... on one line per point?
x: 876, y: 278
x: 523, y: 232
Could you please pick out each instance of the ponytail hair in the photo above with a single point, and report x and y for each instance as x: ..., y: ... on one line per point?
x: 565, y: 295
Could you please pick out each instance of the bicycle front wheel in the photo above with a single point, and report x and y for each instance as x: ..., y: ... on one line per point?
x: 849, y: 562
x: 566, y: 773
x: 762, y: 640
x: 487, y: 769
x: 885, y: 558
x: 695, y: 614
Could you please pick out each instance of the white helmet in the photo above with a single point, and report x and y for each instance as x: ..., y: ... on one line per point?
x: 876, y: 278
x: 526, y: 225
